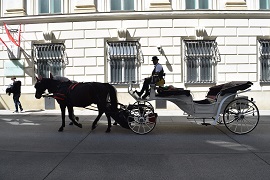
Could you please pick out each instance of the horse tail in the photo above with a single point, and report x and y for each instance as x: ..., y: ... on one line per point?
x: 113, y: 96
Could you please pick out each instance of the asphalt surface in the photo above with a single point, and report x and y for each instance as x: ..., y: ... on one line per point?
x: 32, y: 148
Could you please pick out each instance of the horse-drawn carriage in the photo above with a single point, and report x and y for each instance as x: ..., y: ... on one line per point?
x: 240, y: 114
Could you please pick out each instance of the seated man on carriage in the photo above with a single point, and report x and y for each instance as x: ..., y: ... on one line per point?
x: 156, y: 77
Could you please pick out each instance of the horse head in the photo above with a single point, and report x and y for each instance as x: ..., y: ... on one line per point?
x: 44, y: 84
x: 40, y: 87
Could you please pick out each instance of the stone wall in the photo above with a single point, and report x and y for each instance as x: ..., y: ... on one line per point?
x: 85, y: 39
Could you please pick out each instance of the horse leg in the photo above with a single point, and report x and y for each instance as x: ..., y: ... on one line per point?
x: 109, y: 123
x: 94, y: 124
x: 100, y: 112
x: 72, y: 116
x: 63, y: 114
x: 76, y: 118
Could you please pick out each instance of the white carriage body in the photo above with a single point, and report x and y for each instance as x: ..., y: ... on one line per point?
x: 224, y: 100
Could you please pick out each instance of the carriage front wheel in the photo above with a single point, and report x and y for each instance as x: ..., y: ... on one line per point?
x: 241, y: 116
x: 142, y: 118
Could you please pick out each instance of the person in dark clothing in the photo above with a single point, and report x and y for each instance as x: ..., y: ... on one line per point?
x: 158, y: 70
x: 16, y: 90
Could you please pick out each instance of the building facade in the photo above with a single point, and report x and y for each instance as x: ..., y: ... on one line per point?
x: 200, y: 43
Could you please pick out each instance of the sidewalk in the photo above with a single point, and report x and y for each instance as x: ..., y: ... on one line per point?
x: 88, y: 112
x: 161, y: 112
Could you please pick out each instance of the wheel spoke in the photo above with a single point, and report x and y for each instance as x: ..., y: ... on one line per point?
x: 241, y: 116
x: 140, y: 113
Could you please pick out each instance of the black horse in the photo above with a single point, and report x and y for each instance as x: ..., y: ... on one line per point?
x: 69, y: 94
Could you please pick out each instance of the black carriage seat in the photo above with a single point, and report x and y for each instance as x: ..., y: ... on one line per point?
x: 164, y: 92
x: 234, y: 86
x: 222, y: 89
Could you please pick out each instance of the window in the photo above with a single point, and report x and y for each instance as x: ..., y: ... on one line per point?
x: 265, y: 60
x: 264, y: 4
x: 197, y: 4
x: 201, y: 57
x: 124, y: 61
x: 49, y: 6
x: 49, y: 58
x: 117, y: 5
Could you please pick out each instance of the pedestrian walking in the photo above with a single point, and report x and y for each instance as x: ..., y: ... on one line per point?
x: 16, y: 90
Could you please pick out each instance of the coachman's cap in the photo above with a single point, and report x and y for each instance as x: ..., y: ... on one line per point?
x: 155, y: 58
x: 13, y: 78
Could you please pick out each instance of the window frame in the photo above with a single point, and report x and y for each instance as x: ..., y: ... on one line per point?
x: 38, y: 12
x: 259, y: 5
x: 210, y: 5
x: 255, y: 5
x: 261, y: 58
x: 109, y: 6
x: 137, y: 63
x: 215, y: 58
x: 55, y: 58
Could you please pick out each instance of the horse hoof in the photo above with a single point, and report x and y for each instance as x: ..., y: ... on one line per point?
x: 94, y: 127
x: 80, y: 125
x: 60, y: 129
x: 71, y: 123
x: 108, y: 130
x: 77, y: 118
x: 115, y: 123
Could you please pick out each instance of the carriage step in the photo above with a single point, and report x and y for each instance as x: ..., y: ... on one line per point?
x: 206, y: 124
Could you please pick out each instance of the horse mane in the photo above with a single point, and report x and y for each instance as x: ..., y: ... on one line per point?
x: 61, y: 78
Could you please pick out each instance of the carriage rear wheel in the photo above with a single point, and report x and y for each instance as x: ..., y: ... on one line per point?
x: 241, y: 116
x: 141, y: 119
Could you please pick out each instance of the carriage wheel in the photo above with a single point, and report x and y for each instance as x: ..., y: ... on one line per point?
x: 220, y: 119
x: 241, y: 116
x: 141, y: 120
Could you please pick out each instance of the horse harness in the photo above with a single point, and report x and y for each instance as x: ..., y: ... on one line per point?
x: 65, y: 88
x: 63, y: 91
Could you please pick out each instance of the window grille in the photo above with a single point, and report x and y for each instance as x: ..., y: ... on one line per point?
x: 49, y: 58
x: 49, y: 6
x: 124, y: 61
x: 197, y: 4
x: 201, y: 57
x: 265, y: 60
x: 126, y: 5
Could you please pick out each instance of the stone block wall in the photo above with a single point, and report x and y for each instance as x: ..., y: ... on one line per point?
x: 85, y: 42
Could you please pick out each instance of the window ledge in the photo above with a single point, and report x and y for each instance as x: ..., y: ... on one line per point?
x: 75, y: 17
x: 15, y: 12
x: 265, y: 83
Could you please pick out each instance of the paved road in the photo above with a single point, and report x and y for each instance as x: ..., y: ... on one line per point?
x: 32, y: 148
